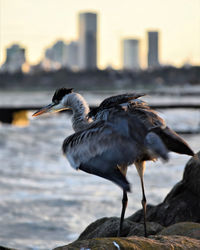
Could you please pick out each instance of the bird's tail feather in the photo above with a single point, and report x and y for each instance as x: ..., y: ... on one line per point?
x: 173, y: 141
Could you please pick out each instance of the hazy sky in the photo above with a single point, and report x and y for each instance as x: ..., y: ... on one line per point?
x: 36, y: 24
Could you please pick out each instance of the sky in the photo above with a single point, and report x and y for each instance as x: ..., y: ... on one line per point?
x: 37, y: 24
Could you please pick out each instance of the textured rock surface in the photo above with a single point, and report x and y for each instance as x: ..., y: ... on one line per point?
x: 138, y: 229
x: 105, y: 227
x: 136, y: 243
x: 189, y: 229
x: 6, y: 248
x: 108, y: 227
x: 183, y: 201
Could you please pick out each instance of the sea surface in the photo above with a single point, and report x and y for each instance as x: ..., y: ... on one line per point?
x: 44, y: 203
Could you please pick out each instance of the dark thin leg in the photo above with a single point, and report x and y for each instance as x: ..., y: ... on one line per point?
x: 144, y: 205
x: 124, y: 205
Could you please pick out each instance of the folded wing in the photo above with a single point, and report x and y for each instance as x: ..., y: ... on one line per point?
x: 101, y: 148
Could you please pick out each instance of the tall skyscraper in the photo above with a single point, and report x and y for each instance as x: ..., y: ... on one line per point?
x: 87, y: 55
x: 153, y: 49
x: 15, y: 58
x: 131, y: 54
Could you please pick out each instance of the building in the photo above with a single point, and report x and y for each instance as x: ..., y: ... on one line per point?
x: 57, y: 55
x: 131, y: 54
x: 15, y: 58
x: 72, y: 55
x: 153, y: 49
x: 61, y: 55
x: 87, y: 55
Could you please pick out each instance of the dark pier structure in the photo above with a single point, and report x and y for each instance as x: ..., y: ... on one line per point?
x: 8, y: 114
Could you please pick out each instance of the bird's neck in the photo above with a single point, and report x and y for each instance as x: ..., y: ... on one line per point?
x: 80, y: 110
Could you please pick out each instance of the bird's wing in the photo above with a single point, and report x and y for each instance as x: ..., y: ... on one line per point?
x: 101, y: 148
x: 118, y: 99
x: 114, y: 101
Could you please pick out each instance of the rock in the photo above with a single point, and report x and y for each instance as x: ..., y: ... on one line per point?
x: 181, y: 204
x: 105, y: 227
x: 91, y: 228
x: 108, y: 227
x: 183, y: 201
x: 189, y: 229
x: 138, y: 229
x: 137, y: 243
x: 6, y: 248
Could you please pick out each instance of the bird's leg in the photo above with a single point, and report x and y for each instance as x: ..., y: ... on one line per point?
x: 124, y: 205
x: 144, y: 205
x: 140, y: 168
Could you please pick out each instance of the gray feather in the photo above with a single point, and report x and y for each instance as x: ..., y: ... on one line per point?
x: 154, y: 143
x: 110, y: 141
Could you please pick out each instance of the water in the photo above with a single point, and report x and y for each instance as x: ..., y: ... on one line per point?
x: 44, y: 203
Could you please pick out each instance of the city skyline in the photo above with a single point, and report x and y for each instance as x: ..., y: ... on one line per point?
x: 177, y: 21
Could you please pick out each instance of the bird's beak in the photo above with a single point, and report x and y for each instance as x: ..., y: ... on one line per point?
x: 46, y: 109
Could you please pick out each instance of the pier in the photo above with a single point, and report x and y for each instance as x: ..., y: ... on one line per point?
x: 10, y: 114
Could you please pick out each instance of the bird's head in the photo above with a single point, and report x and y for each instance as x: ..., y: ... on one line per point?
x: 59, y: 102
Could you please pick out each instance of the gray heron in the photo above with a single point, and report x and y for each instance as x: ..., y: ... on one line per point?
x: 122, y: 131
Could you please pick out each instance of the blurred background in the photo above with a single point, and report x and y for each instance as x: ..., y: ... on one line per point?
x: 99, y: 48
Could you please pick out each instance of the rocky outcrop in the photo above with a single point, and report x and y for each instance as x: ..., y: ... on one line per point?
x: 108, y: 227
x: 166, y: 224
x: 138, y: 229
x: 189, y: 229
x: 135, y: 243
x: 181, y: 204
x: 105, y: 227
x: 5, y: 248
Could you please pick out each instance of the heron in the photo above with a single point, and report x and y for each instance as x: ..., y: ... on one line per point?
x: 123, y: 130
